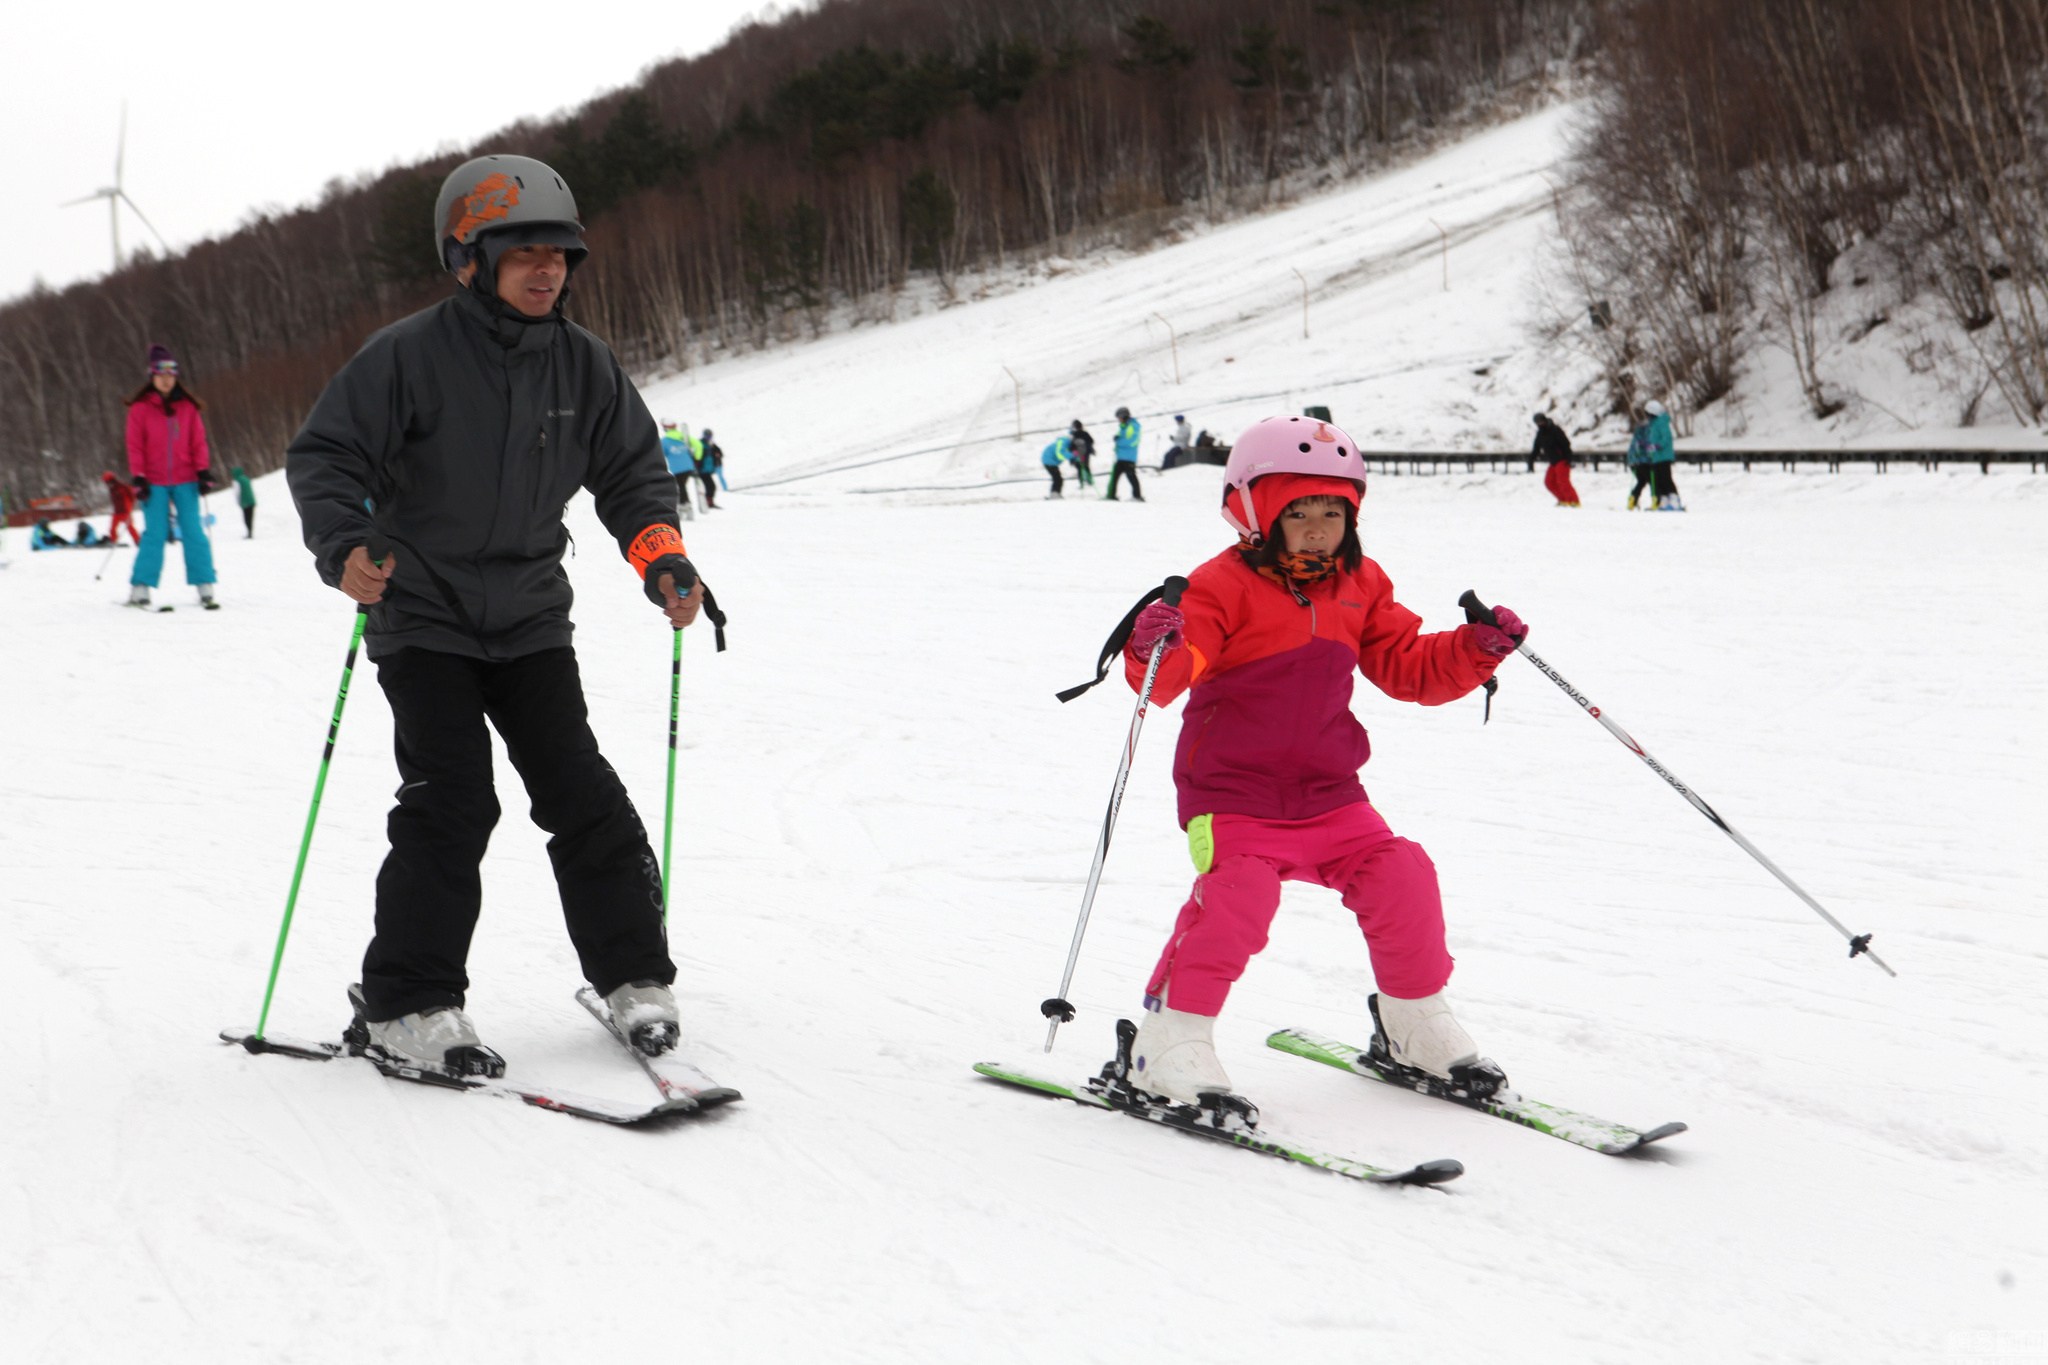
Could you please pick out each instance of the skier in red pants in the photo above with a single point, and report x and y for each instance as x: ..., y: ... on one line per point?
x: 1265, y: 642
x: 1555, y: 449
x: 123, y: 498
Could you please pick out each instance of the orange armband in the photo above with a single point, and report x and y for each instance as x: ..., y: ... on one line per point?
x: 654, y: 542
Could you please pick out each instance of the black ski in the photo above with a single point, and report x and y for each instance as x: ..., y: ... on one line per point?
x: 560, y: 1101
x: 678, y: 1080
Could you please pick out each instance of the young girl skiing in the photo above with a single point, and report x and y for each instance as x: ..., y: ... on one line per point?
x: 1265, y: 641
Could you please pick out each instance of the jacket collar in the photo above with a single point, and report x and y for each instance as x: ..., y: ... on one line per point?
x: 512, y: 330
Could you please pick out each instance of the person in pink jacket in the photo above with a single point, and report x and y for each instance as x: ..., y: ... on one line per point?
x: 1266, y: 642
x: 170, y: 466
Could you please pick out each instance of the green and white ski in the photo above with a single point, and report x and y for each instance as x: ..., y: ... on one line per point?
x: 1190, y: 1120
x: 1582, y: 1130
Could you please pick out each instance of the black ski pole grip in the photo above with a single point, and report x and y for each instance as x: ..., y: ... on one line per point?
x: 684, y: 578
x: 379, y: 550
x: 1476, y: 611
x: 1171, y: 590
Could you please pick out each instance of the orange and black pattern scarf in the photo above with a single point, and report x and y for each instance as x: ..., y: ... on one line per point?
x: 1304, y: 569
x: 1296, y: 570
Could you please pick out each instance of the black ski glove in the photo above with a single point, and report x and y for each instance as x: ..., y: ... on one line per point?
x: 206, y: 483
x: 677, y: 567
x: 141, y: 485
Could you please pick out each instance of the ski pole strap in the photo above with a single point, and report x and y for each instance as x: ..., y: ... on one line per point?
x: 1478, y: 613
x: 717, y: 617
x: 1168, y: 592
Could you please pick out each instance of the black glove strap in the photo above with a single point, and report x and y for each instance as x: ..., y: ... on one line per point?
x: 1114, y: 646
x: 717, y: 617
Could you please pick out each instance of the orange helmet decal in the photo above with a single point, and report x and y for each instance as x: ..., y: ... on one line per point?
x: 489, y: 200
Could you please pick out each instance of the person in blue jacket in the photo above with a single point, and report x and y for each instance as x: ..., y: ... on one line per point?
x: 1663, y: 457
x: 703, y: 459
x: 1126, y: 447
x: 675, y: 450
x: 1052, y: 457
x: 1639, y: 461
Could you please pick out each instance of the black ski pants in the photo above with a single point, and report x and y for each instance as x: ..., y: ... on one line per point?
x: 1125, y: 469
x: 429, y: 891
x: 1642, y: 473
x: 1661, y: 482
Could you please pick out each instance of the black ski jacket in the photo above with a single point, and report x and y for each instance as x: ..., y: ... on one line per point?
x: 1551, y: 443
x: 461, y: 433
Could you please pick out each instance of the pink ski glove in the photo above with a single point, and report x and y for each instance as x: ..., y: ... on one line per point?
x: 1157, y: 622
x: 1495, y: 644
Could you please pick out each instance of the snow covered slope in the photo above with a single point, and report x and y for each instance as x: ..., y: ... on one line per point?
x: 885, y: 824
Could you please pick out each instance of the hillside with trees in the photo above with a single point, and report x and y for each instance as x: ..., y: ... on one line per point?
x: 810, y: 167
x: 1755, y: 179
x: 1798, y: 176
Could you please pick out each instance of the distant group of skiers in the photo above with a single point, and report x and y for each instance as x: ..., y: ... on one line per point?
x: 1651, y: 455
x: 693, y: 460
x: 1076, y: 447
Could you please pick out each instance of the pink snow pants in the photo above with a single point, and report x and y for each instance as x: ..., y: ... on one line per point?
x: 1388, y: 882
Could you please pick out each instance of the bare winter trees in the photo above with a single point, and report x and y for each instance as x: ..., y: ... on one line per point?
x: 821, y: 159
x: 1745, y: 145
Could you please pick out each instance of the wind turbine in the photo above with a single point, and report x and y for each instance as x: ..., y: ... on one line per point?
x: 116, y: 196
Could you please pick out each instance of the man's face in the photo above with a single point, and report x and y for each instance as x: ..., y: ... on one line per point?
x: 530, y: 278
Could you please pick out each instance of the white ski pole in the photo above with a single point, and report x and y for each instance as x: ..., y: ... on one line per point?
x: 1859, y: 944
x: 1057, y: 1010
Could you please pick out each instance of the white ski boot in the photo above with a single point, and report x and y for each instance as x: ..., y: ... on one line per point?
x: 1423, y: 1040
x: 644, y: 1012
x: 1174, y: 1055
x: 206, y: 598
x: 138, y: 595
x: 440, y: 1039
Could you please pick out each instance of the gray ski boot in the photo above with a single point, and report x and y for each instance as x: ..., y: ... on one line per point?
x: 440, y: 1039
x: 644, y: 1013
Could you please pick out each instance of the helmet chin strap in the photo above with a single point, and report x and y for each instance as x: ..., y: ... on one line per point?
x: 483, y: 282
x: 1247, y: 523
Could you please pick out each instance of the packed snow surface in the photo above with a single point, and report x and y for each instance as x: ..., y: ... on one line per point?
x: 884, y: 822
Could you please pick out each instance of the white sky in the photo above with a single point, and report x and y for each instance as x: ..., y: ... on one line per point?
x: 234, y: 106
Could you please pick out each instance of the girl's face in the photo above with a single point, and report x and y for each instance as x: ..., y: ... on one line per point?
x: 164, y: 381
x: 1313, y: 525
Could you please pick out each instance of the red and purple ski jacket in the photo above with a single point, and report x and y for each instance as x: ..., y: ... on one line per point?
x: 166, y: 447
x: 1268, y: 730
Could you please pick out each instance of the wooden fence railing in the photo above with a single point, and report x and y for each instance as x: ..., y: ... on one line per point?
x: 1436, y: 462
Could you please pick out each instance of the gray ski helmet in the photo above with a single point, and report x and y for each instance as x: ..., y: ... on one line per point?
x: 1123, y: 414
x: 487, y: 194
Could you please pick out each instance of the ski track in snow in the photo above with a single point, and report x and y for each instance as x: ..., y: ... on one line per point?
x: 884, y: 825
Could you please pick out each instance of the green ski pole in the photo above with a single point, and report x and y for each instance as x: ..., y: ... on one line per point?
x: 378, y: 551
x: 668, y: 819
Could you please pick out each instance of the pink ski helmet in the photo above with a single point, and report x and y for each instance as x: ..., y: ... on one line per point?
x: 1285, y: 445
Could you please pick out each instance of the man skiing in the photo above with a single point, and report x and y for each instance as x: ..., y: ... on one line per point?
x: 122, y: 500
x: 1662, y: 455
x: 1554, y: 448
x: 1081, y: 452
x: 701, y: 460
x: 675, y: 450
x: 1183, y: 447
x: 457, y: 435
x: 1126, y: 447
